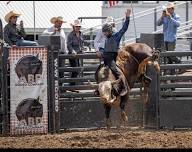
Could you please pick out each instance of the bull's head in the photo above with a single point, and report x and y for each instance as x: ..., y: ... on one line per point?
x: 107, y: 93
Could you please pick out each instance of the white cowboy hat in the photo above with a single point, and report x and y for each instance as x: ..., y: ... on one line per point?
x: 76, y: 23
x: 168, y: 5
x: 110, y: 20
x: 10, y: 14
x: 59, y: 18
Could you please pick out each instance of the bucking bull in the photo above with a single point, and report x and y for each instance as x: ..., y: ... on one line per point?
x: 131, y: 61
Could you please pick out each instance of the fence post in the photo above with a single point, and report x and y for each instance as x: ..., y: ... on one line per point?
x: 187, y: 12
x: 91, y: 37
x: 5, y: 101
x: 54, y: 112
x: 152, y: 105
x: 50, y: 88
x: 155, y: 19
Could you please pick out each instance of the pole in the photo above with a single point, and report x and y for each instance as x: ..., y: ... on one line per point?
x: 187, y: 12
x: 155, y: 19
x: 134, y: 22
x: 34, y: 32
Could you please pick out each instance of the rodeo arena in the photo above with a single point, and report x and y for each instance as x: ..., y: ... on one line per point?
x: 96, y: 74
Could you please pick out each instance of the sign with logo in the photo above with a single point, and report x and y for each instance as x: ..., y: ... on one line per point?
x: 28, y: 90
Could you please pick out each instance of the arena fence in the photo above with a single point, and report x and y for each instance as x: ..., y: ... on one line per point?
x: 76, y: 107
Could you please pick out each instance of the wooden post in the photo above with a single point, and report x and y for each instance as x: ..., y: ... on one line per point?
x: 151, y: 106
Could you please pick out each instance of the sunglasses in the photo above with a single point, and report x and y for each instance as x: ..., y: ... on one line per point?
x: 14, y: 16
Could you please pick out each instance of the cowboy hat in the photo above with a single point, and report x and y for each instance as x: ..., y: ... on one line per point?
x: 10, y: 14
x: 110, y: 20
x: 54, y: 19
x: 168, y: 5
x: 76, y: 23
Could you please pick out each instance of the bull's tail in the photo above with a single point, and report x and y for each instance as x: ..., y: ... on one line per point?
x: 152, y: 60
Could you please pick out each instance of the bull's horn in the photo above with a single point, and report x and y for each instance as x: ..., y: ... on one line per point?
x: 37, y: 55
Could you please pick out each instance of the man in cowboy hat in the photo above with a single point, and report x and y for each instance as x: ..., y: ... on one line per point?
x: 99, y: 40
x: 75, y: 42
x: 170, y: 21
x: 58, y: 31
x: 13, y: 33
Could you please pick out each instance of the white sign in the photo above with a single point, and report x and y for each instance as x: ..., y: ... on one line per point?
x: 28, y: 90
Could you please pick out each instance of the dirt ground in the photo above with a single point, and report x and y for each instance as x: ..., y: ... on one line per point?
x: 104, y: 139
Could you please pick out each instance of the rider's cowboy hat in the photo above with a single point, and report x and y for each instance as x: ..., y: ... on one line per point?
x: 10, y: 14
x: 54, y: 19
x: 76, y: 23
x: 110, y: 20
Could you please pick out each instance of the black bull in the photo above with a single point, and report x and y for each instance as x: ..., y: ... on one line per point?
x: 132, y: 61
x: 29, y: 108
x: 28, y: 65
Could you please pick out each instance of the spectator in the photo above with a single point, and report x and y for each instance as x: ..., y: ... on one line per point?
x: 99, y: 41
x: 58, y: 31
x: 170, y: 21
x: 14, y: 33
x: 75, y: 42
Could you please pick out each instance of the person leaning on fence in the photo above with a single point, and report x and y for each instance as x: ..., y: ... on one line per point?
x: 14, y: 33
x: 170, y: 21
x: 75, y: 42
x: 99, y: 40
x: 56, y: 30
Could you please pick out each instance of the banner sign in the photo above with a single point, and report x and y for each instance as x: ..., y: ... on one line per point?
x: 28, y: 90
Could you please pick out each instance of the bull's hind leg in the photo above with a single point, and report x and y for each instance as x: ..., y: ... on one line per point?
x: 122, y: 106
x: 107, y: 115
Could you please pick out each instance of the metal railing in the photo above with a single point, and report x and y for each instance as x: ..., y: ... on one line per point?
x: 136, y: 16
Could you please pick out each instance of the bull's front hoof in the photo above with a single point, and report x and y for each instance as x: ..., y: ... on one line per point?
x: 124, y: 116
x: 108, y: 123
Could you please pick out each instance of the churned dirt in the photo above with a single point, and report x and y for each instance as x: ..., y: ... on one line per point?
x: 103, y: 139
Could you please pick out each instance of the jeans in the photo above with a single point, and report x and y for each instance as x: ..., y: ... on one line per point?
x: 101, y: 50
x: 23, y: 42
x: 74, y: 63
x: 170, y: 46
x: 110, y: 61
